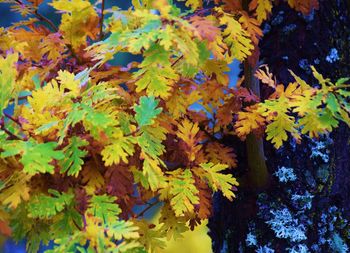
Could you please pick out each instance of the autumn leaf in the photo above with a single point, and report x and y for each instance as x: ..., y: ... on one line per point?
x: 252, y: 26
x: 189, y: 133
x: 195, y: 4
x: 104, y: 207
x: 185, y: 194
x: 173, y: 225
x: 304, y: 6
x: 146, y: 111
x: 122, y: 229
x: 72, y: 163
x: 118, y: 150
x: 153, y: 174
x: 263, y: 8
x: 16, y: 191
x: 248, y: 121
x: 8, y: 74
x: 265, y: 76
x: 35, y: 157
x: 36, y: 2
x: 156, y: 75
x: 219, y: 181
x: 237, y: 38
x: 79, y: 21
x: 44, y: 206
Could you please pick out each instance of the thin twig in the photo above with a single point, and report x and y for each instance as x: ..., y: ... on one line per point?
x: 177, y: 60
x: 147, y: 209
x: 46, y: 20
x: 101, y: 19
x: 132, y: 133
x: 13, y: 119
x: 20, y: 98
x: 9, y: 133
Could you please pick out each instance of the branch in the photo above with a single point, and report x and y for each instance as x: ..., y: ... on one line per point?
x: 197, y: 12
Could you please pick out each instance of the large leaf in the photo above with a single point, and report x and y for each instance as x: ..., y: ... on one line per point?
x: 44, y: 206
x: 35, y: 157
x: 73, y: 161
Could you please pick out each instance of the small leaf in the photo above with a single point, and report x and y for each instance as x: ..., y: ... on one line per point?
x: 104, y: 207
x: 73, y: 161
x: 185, y: 194
x: 218, y: 180
x: 147, y: 111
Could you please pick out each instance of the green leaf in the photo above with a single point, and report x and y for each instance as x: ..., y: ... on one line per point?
x: 332, y: 103
x: 150, y: 141
x: 342, y: 81
x: 118, y: 150
x: 122, y: 229
x: 104, y: 207
x: 74, y: 116
x: 153, y: 173
x: 146, y: 111
x: 8, y: 74
x: 185, y: 193
x: 67, y: 222
x: 35, y: 157
x: 73, y: 161
x: 156, y: 75
x: 46, y: 127
x: 43, y: 206
x: 218, y: 180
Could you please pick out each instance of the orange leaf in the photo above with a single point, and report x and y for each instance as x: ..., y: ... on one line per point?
x: 35, y: 2
x: 304, y: 6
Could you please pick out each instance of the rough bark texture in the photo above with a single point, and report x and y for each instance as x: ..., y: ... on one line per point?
x: 295, y: 42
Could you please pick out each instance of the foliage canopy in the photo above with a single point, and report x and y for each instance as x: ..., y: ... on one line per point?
x: 88, y: 141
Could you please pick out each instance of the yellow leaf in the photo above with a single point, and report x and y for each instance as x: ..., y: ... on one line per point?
x: 16, y: 191
x: 8, y: 73
x: 188, y: 132
x: 248, y: 121
x: 69, y: 82
x: 195, y: 4
x: 119, y: 150
x: 263, y: 9
x: 154, y: 174
x: 236, y: 38
x: 218, y: 180
x: 92, y: 177
x: 79, y: 21
x: 252, y: 26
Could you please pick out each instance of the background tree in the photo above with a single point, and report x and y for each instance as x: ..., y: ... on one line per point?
x: 294, y: 41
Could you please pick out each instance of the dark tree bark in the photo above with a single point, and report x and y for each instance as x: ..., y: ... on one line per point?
x: 294, y: 42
